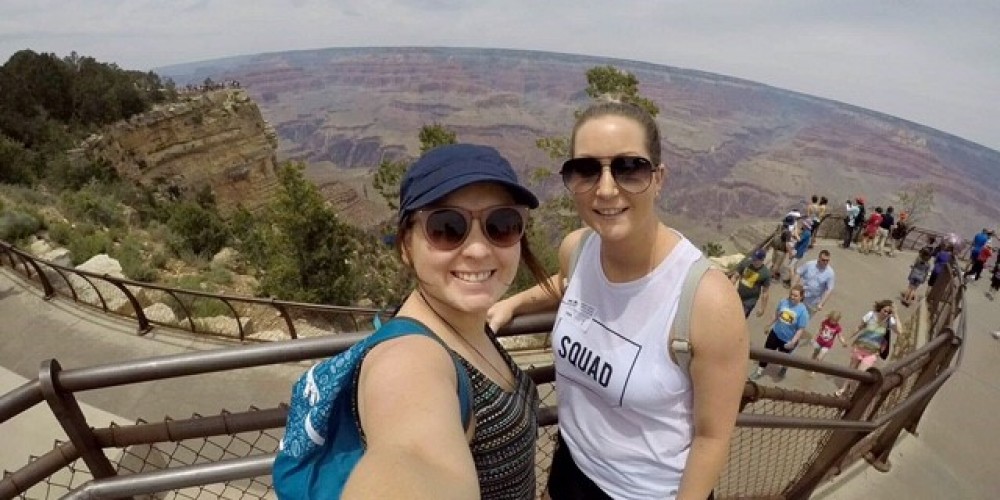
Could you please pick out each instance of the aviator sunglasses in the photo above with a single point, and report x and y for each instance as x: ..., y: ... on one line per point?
x: 631, y: 173
x: 446, y: 228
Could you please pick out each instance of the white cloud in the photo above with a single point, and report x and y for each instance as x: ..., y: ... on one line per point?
x: 936, y: 63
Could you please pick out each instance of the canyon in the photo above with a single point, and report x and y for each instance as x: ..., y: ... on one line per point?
x: 736, y: 151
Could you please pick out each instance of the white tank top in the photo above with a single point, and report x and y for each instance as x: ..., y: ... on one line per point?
x: 625, y: 408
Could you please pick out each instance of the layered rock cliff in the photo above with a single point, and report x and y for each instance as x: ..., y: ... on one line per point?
x: 216, y: 138
x: 734, y: 149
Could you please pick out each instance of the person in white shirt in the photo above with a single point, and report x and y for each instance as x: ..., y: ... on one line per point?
x: 633, y: 424
x: 818, y: 280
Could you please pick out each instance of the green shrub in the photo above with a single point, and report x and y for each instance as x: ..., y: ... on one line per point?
x: 218, y: 275
x: 205, y: 307
x: 132, y: 258
x: 17, y: 224
x: 26, y: 196
x: 201, y: 230
x: 73, y: 176
x: 199, y: 307
x: 83, y: 246
x: 158, y: 260
x: 60, y: 232
x: 17, y: 163
x: 92, y: 205
x: 713, y: 249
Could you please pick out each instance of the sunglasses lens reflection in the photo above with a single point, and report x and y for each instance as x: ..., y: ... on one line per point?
x: 632, y: 173
x: 447, y: 228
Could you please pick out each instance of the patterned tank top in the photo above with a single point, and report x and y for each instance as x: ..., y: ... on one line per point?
x: 503, y: 447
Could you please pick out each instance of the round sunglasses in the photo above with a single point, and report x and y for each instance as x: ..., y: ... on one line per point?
x: 632, y: 174
x: 446, y: 228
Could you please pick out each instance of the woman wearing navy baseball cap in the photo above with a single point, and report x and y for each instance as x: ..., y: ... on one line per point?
x: 462, y: 221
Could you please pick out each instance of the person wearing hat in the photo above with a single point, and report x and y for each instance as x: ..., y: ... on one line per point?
x: 461, y: 232
x: 752, y: 279
x: 635, y: 419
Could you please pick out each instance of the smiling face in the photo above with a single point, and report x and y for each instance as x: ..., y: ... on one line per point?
x: 613, y: 212
x: 472, y: 277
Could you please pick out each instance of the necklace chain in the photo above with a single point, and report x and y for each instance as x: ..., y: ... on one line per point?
x: 501, y: 373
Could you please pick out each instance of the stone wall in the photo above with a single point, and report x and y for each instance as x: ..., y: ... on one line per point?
x: 216, y: 138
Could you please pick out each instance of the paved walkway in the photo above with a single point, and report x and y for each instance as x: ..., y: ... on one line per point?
x: 955, y: 455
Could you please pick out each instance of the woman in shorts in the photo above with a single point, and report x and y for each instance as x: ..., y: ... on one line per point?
x: 868, y: 341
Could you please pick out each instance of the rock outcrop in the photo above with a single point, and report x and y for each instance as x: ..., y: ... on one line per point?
x: 216, y: 138
x: 96, y: 291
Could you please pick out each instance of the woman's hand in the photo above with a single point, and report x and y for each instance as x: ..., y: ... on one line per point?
x: 499, y: 314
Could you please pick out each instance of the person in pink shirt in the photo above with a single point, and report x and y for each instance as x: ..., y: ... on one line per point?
x: 829, y: 331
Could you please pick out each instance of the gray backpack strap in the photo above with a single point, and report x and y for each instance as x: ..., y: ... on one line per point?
x: 680, y: 343
x: 575, y: 256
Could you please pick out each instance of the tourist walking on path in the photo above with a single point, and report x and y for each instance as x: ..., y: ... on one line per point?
x: 618, y: 314
x: 898, y: 234
x: 943, y: 256
x: 462, y: 220
x: 818, y: 280
x: 919, y: 271
x: 872, y: 338
x: 753, y: 282
x: 801, y: 246
x: 979, y: 262
x: 994, y: 280
x: 979, y: 241
x: 851, y: 212
x: 884, y: 230
x: 812, y: 209
x: 821, y: 210
x: 783, y: 246
x: 870, y: 231
x: 829, y: 331
x: 783, y: 334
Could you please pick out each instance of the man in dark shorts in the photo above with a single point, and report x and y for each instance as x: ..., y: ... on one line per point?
x: 753, y: 279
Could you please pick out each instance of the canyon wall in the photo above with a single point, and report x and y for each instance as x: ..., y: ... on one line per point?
x: 216, y: 138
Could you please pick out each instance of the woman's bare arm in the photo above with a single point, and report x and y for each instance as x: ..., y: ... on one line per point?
x: 721, y: 349
x: 536, y: 299
x: 409, y: 408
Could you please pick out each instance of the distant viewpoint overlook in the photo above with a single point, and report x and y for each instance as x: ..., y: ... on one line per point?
x: 736, y: 149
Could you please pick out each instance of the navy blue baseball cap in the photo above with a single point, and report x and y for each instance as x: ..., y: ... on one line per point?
x: 446, y: 169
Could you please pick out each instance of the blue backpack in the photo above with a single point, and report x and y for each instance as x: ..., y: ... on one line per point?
x: 322, y: 442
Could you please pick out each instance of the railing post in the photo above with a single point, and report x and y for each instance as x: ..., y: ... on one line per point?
x: 283, y: 311
x: 140, y: 316
x: 840, y: 442
x: 46, y: 285
x: 67, y: 411
x: 879, y: 455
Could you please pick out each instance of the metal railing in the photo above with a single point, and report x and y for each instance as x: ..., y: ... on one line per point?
x: 130, y: 298
x: 786, y: 444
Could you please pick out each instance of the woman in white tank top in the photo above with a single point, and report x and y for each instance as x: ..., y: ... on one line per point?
x: 632, y: 422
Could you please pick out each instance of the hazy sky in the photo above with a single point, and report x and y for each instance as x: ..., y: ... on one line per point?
x: 930, y: 61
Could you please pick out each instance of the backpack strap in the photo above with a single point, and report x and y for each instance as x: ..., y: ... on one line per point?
x: 681, y: 347
x: 575, y: 256
x: 402, y: 326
